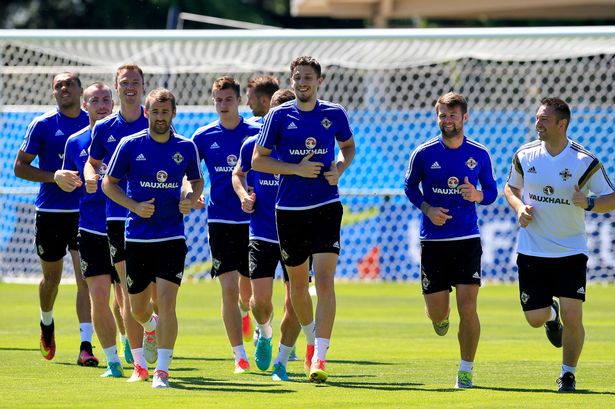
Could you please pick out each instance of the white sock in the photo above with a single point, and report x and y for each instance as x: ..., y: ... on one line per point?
x: 553, y: 314
x: 111, y: 354
x: 566, y: 368
x: 265, y: 329
x: 466, y: 366
x: 137, y: 355
x: 150, y: 324
x: 164, y: 359
x: 86, y: 330
x: 320, y: 349
x: 310, y: 332
x: 47, y: 317
x: 283, y: 354
x: 239, y: 352
x: 122, y: 339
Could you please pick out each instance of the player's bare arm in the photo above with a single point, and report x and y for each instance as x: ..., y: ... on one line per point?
x: 263, y: 162
x: 116, y: 193
x: 90, y: 174
x: 514, y: 198
x: 191, y: 196
x: 24, y: 170
x: 240, y: 185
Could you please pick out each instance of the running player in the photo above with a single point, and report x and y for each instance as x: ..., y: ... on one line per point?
x: 308, y: 209
x: 259, y: 91
x: 106, y: 135
x: 154, y: 162
x: 96, y: 265
x: 219, y: 144
x: 448, y: 168
x: 57, y: 212
x: 265, y: 255
x: 547, y: 186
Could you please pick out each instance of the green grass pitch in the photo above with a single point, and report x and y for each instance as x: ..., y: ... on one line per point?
x: 384, y: 354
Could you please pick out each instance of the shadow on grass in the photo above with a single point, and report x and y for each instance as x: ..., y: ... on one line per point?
x: 381, y: 386
x: 193, y: 358
x: 526, y: 390
x: 349, y: 362
x: 18, y: 349
x: 208, y: 385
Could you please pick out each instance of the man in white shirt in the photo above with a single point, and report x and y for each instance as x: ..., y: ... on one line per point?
x: 552, y: 244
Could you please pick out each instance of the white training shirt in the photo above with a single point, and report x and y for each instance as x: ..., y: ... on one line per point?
x: 558, y: 228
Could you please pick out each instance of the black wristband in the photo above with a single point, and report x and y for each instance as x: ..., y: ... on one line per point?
x: 590, y: 203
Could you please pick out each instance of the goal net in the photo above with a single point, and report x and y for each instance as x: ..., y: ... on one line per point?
x: 388, y: 80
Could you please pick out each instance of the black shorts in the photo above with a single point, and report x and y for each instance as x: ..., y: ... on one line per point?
x: 54, y: 233
x: 264, y: 259
x: 306, y: 232
x: 95, y: 256
x: 229, y: 248
x: 542, y: 278
x: 445, y: 264
x: 146, y: 261
x: 117, y: 242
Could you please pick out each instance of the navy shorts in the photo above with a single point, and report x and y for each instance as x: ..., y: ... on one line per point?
x: 117, y: 242
x: 96, y: 256
x: 229, y: 248
x: 444, y: 264
x: 147, y: 261
x: 542, y: 278
x: 54, y: 233
x: 303, y: 233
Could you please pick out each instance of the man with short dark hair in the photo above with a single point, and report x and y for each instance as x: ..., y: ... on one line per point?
x: 308, y: 209
x: 259, y: 91
x: 448, y: 168
x: 547, y: 188
x: 57, y: 212
x: 154, y: 163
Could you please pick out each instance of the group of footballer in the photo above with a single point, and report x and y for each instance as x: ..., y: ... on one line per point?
x: 115, y: 188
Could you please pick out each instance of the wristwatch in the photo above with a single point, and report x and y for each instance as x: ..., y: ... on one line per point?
x: 590, y: 203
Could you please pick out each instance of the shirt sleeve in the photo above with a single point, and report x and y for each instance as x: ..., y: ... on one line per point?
x: 69, y: 156
x: 596, y: 180
x: 270, y: 132
x: 245, y: 155
x: 119, y: 163
x: 193, y: 169
x: 343, y: 132
x: 33, y: 140
x: 487, y: 181
x: 414, y: 175
x: 515, y: 175
x: 97, y: 149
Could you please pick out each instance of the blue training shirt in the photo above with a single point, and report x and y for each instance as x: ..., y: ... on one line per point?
x: 219, y: 148
x: 262, y: 221
x: 106, y: 135
x: 440, y: 170
x: 294, y: 134
x: 46, y: 137
x: 155, y: 170
x: 92, y: 205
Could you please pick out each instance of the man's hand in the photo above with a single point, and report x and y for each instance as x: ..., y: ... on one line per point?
x: 438, y: 215
x: 332, y: 175
x: 579, y: 198
x: 67, y: 180
x: 525, y: 215
x: 308, y: 169
x: 247, y: 204
x: 91, y: 184
x: 469, y: 192
x: 145, y: 209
